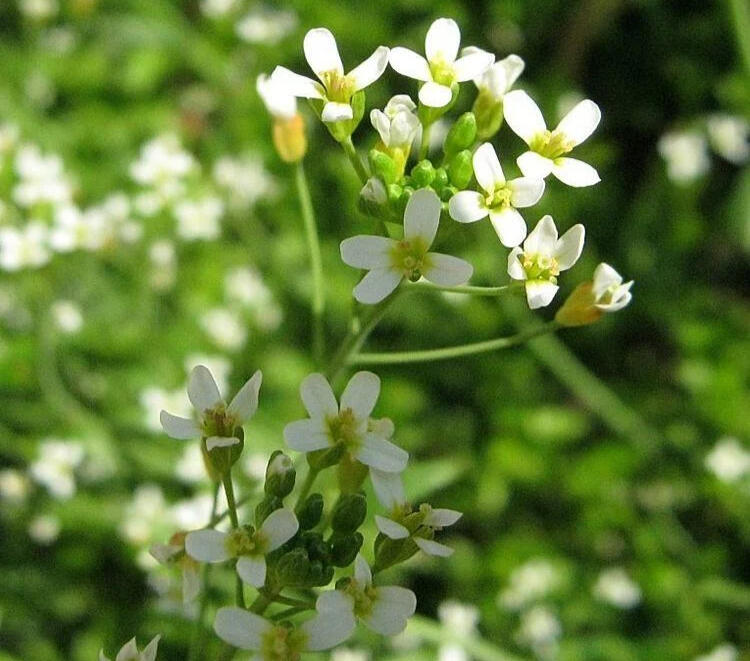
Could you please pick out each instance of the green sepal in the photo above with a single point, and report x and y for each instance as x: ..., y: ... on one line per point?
x: 461, y: 169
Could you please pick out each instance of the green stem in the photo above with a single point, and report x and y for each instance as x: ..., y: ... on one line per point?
x: 424, y: 145
x: 229, y: 490
x: 312, y: 474
x: 403, y: 357
x: 355, y: 160
x: 472, y: 290
x: 290, y: 601
x: 316, y: 263
x: 281, y: 615
x: 740, y: 12
x: 262, y: 601
x: 220, y: 517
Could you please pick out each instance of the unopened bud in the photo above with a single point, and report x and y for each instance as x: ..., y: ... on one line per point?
x: 289, y: 138
x: 219, y: 460
x: 489, y: 114
x: 383, y: 166
x: 344, y: 548
x: 309, y: 513
x: 373, y: 198
x: 579, y: 308
x: 422, y: 174
x: 460, y: 169
x: 280, y: 475
x: 293, y: 568
x: 461, y: 135
x: 441, y: 179
x: 349, y: 513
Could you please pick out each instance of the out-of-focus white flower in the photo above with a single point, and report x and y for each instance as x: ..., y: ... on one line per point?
x: 440, y: 70
x: 547, y: 148
x: 44, y: 529
x: 349, y: 654
x: 616, y: 588
x: 540, y: 630
x: 67, y: 316
x: 728, y: 135
x: 219, y: 366
x: 246, y: 286
x: 79, y: 230
x: 190, y: 467
x: 24, y: 248
x: 337, y: 88
x: 162, y: 164
x: 9, y: 134
x: 729, y: 460
x: 225, y: 328
x: 42, y: 178
x: 499, y: 77
x: 530, y: 582
x: 245, y: 179
x: 145, y: 515
x: 154, y: 399
x: 55, y: 466
x: 254, y: 465
x: 459, y: 618
x: 725, y: 652
x: 263, y: 25
x: 397, y: 124
x: 686, y: 155
x: 38, y: 10
x: 129, y: 651
x: 199, y: 219
x: 163, y: 258
x: 14, y: 486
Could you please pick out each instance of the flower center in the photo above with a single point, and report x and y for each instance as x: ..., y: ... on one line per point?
x: 541, y: 267
x: 364, y: 597
x: 551, y: 144
x: 442, y: 72
x: 342, y: 429
x: 243, y: 542
x: 218, y: 422
x: 339, y: 88
x: 410, y: 257
x: 500, y: 197
x: 282, y: 643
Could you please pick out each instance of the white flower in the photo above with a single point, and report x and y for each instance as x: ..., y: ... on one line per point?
x: 162, y: 164
x: 42, y: 178
x: 440, y: 70
x: 547, y: 149
x: 729, y: 137
x: 500, y: 199
x: 265, y: 26
x: 610, y: 293
x: 277, y: 99
x: 199, y: 219
x: 337, y: 89
x: 728, y: 460
x: 499, y: 77
x: 530, y: 582
x: 129, y: 651
x: 14, y: 486
x: 542, y: 259
x: 397, y: 124
x: 219, y: 367
x: 686, y: 155
x: 55, y: 467
x: 145, y: 514
x: 615, y: 587
x: 345, y: 426
x: 24, y: 248
x: 44, y: 529
x: 219, y: 8
x: 389, y: 261
x: 459, y: 618
x: 217, y: 422
x: 245, y: 179
x: 225, y: 328
x: 332, y: 625
x: 725, y: 652
x: 67, y: 316
x: 540, y: 629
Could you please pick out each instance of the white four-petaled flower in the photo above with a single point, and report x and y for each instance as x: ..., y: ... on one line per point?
x: 337, y: 88
x: 547, y: 148
x: 216, y: 422
x: 610, y: 293
x: 542, y: 259
x: 129, y: 651
x: 440, y: 69
x: 390, y: 260
x: 499, y: 200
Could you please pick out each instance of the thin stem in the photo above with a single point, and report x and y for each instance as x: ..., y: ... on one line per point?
x: 289, y: 612
x: 312, y: 474
x: 471, y: 290
x: 290, y: 601
x: 218, y: 518
x: 403, y: 357
x: 740, y: 12
x: 262, y: 601
x: 424, y: 145
x: 355, y: 160
x: 229, y: 490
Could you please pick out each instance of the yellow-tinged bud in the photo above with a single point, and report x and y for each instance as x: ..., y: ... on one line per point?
x: 289, y: 138
x: 579, y: 308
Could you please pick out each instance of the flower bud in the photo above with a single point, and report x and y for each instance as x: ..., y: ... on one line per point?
x: 280, y: 475
x: 389, y: 552
x: 383, y: 166
x: 344, y: 548
x: 441, y: 180
x: 265, y: 507
x: 309, y: 513
x: 579, y: 308
x: 289, y: 138
x: 349, y: 512
x: 293, y: 568
x: 461, y: 135
x: 489, y: 114
x: 460, y: 169
x: 373, y: 198
x: 422, y: 174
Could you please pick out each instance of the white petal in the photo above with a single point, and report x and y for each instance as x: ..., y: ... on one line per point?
x: 390, y: 528
x: 620, y: 298
x: 128, y: 652
x: 388, y: 487
x: 515, y: 268
x: 467, y: 206
x: 575, y: 173
x: 447, y: 271
x: 442, y: 40
x: 366, y: 252
x: 277, y: 99
x: 431, y: 547
x: 381, y: 124
x: 191, y: 585
x: 604, y: 277
x: 362, y: 573
x: 381, y: 454
x: 472, y: 65
x: 361, y: 394
x: 377, y: 285
x: 245, y: 402
x: 336, y: 112
x: 207, y: 545
x: 535, y: 165
x: 371, y: 69
x: 279, y: 527
x: 422, y: 215
x: 177, y: 427
x: 332, y: 625
x: 306, y: 435
x: 580, y: 122
x: 570, y: 246
x: 526, y: 191
x: 408, y: 63
x: 539, y: 293
x: 202, y: 389
x: 321, y: 52
x: 504, y: 73
x: 240, y: 628
x: 392, y: 608
x: 297, y: 85
x: 149, y: 652
x: 543, y: 238
x: 252, y: 570
x: 435, y: 95
x: 509, y: 225
x: 442, y: 518
x: 221, y: 442
x: 523, y: 115
x: 333, y: 601
x: 487, y: 169
x: 317, y: 396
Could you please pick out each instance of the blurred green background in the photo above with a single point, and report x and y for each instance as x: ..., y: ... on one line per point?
x: 604, y: 474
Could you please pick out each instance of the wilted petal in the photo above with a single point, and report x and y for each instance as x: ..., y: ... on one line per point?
x: 371, y: 69
x: 539, y: 293
x: 207, y: 545
x: 441, y: 518
x: 535, y: 165
x: 377, y: 285
x: 543, y: 238
x: 442, y: 40
x: 366, y: 252
x: 297, y: 85
x: 177, y: 427
x: 515, y: 268
x: 202, y: 389
x: 306, y: 435
x: 570, y: 246
x: 422, y: 215
x: 467, y: 206
x: 575, y: 173
x: 392, y: 608
x: 509, y: 225
x: 321, y: 52
x: 390, y: 528
x: 431, y: 547
x: 526, y: 191
x: 487, y: 169
x: 580, y: 122
x: 252, y: 570
x: 361, y: 394
x: 435, y: 95
x: 336, y: 112
x: 388, y: 487
x: 447, y: 271
x: 471, y: 65
x: 279, y: 527
x: 381, y: 454
x: 240, y: 628
x: 245, y: 402
x: 408, y: 63
x: 221, y: 442
x: 317, y: 396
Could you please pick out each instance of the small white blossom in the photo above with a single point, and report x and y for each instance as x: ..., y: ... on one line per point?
x: 440, y: 70
x: 459, y: 618
x: 245, y: 179
x: 154, y: 399
x: 14, y: 486
x: 547, y: 148
x: 728, y: 136
x: 540, y: 629
x: 542, y: 259
x: 616, y: 588
x: 265, y: 26
x: 74, y: 229
x: 42, y: 178
x: 24, y: 248
x: 225, y: 328
x: 729, y: 460
x: 397, y: 124
x: 146, y: 514
x: 44, y: 529
x: 528, y: 583
x: 337, y: 88
x: 67, y: 316
x: 129, y: 651
x: 610, y: 292
x: 190, y: 467
x: 199, y: 219
x: 725, y: 652
x: 499, y: 77
x: 162, y: 164
x: 686, y: 155
x: 55, y: 467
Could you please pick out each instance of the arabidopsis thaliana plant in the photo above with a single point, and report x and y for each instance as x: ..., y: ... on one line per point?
x: 247, y: 545
x: 397, y: 124
x: 345, y: 425
x: 440, y: 69
x: 499, y: 200
x: 547, y: 148
x: 499, y: 77
x: 337, y: 88
x: 277, y: 99
x: 542, y: 259
x: 610, y: 293
x: 217, y: 422
x: 389, y: 260
x: 129, y: 651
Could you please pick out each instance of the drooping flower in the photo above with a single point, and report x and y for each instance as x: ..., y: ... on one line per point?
x: 216, y: 422
x: 345, y: 425
x: 337, y: 88
x: 440, y: 70
x: 249, y: 546
x: 590, y: 300
x: 500, y: 199
x: 129, y: 651
x: 543, y: 258
x: 389, y: 260
x: 547, y: 148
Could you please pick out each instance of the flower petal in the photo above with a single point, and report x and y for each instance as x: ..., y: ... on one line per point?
x: 128, y: 651
x: 435, y: 95
x: 361, y: 394
x: 410, y: 64
x: 278, y: 100
x: 207, y: 545
x: 279, y: 527
x: 509, y: 225
x: 539, y: 293
x: 371, y: 69
x: 317, y: 396
x: 177, y: 427
x: 575, y: 173
x: 441, y: 518
x: 221, y: 442
x: 297, y: 85
x: 393, y: 606
x: 526, y: 191
x: 366, y: 252
x: 504, y: 73
x: 570, y: 246
x: 336, y: 112
x: 321, y: 52
x: 467, y: 206
x: 252, y: 570
x: 472, y: 65
x: 422, y: 215
x: 240, y: 628
x: 390, y: 528
x: 515, y: 268
x: 442, y: 41
x: 388, y: 487
x: 431, y: 547
x: 306, y: 435
x: 377, y: 285
x: 487, y: 169
x: 543, y: 238
x: 535, y: 165
x: 148, y: 653
x: 604, y: 278
x: 523, y: 115
x: 330, y: 628
x: 447, y: 271
x: 245, y: 402
x: 381, y: 454
x: 580, y: 122
x: 202, y: 389
x: 362, y: 573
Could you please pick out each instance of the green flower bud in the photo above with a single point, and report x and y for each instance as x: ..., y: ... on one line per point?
x: 422, y: 174
x: 373, y: 198
x: 344, y: 548
x: 461, y: 169
x: 447, y: 193
x: 441, y: 179
x: 320, y: 574
x: 265, y: 507
x: 280, y: 475
x: 389, y: 552
x: 316, y: 548
x: 461, y: 135
x: 489, y: 114
x: 309, y: 513
x: 293, y: 568
x: 383, y: 166
x: 320, y: 459
x: 349, y: 512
